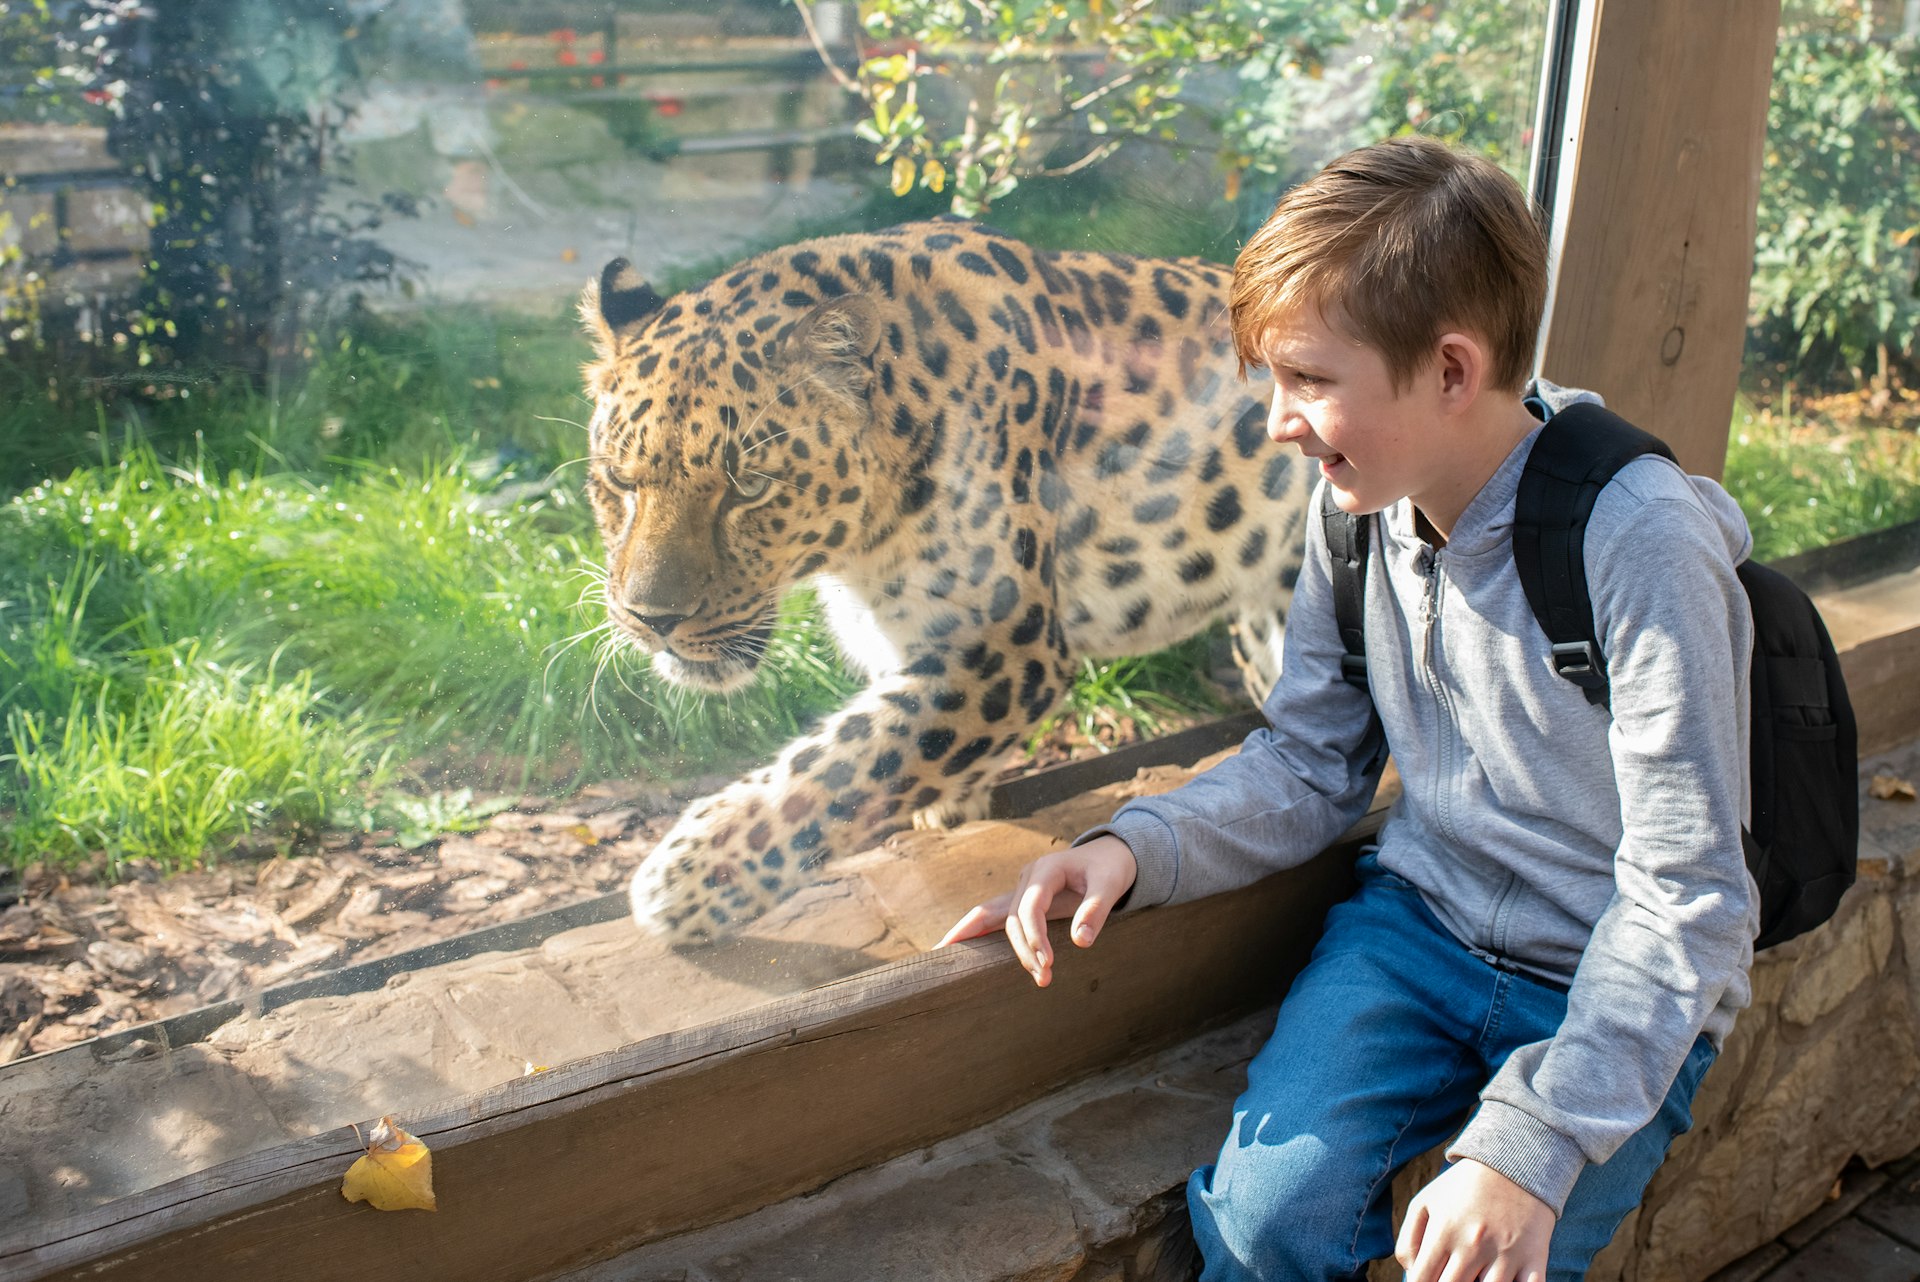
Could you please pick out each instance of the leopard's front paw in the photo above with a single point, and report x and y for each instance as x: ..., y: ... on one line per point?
x: 707, y: 879
x: 954, y: 811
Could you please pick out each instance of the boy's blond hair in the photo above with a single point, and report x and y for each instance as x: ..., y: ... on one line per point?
x: 1396, y: 243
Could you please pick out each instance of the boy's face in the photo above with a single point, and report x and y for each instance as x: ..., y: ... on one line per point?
x: 1335, y: 400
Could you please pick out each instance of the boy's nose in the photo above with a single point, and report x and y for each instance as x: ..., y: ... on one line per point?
x: 1283, y: 425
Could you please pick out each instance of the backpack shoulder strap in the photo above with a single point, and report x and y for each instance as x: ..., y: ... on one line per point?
x: 1572, y: 459
x: 1348, y: 542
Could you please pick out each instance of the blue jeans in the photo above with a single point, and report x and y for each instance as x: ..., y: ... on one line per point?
x: 1380, y: 1052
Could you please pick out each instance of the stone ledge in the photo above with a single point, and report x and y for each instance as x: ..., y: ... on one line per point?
x: 1086, y: 1185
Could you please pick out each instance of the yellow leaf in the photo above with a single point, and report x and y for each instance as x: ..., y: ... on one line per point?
x: 934, y: 174
x: 1891, y: 788
x: 1233, y: 184
x: 1904, y: 238
x: 583, y: 834
x: 395, y: 1175
x: 903, y: 169
x: 569, y: 255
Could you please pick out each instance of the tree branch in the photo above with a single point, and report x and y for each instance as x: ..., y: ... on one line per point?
x: 847, y: 82
x: 1095, y: 95
x: 1098, y: 154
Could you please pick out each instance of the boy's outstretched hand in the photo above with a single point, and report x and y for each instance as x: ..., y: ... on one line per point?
x: 1473, y: 1222
x: 1082, y: 882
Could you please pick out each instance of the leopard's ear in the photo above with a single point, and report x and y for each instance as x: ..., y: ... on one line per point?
x: 834, y: 342
x: 615, y: 301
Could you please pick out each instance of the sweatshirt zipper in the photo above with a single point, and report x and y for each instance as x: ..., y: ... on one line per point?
x: 1444, y: 708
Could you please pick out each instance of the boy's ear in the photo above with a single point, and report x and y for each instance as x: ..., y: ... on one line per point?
x: 1461, y: 368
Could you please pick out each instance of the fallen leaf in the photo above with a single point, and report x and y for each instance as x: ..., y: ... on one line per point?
x: 569, y: 255
x: 395, y: 1175
x: 583, y: 834
x: 1891, y: 788
x: 464, y: 218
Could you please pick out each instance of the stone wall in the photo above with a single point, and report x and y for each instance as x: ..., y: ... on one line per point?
x: 1823, y: 1068
x: 80, y: 229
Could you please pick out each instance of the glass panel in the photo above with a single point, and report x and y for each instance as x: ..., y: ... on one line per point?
x: 1823, y: 438
x: 355, y: 652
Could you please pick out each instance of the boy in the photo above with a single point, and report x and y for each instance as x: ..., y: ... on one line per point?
x: 1551, y: 938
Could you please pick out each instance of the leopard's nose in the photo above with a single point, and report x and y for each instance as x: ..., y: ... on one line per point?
x: 662, y: 623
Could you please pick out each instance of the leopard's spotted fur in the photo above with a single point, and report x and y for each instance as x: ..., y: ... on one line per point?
x: 990, y: 460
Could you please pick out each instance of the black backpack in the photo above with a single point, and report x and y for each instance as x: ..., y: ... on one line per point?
x: 1804, y: 769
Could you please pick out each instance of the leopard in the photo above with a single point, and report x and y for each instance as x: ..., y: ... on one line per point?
x: 989, y: 460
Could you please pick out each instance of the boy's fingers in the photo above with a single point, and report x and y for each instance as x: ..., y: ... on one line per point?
x: 1408, y: 1247
x: 981, y: 919
x: 1016, y: 927
x: 1088, y: 921
x: 1031, y: 911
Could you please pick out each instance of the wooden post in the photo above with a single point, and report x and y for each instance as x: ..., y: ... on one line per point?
x: 1655, y: 245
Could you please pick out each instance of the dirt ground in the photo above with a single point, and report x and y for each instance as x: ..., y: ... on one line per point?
x: 90, y: 951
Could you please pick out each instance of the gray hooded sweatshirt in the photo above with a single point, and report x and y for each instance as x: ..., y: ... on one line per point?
x: 1602, y: 851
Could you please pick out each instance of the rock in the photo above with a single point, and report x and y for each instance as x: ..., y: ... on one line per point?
x: 1854, y: 953
x: 1125, y: 1146
x: 311, y: 953
x: 121, y: 958
x: 19, y: 998
x: 991, y: 1218
x: 18, y: 924
x: 470, y: 894
x: 465, y: 857
x: 316, y: 900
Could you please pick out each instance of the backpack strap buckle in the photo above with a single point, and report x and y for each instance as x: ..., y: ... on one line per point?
x: 1353, y: 669
x: 1579, y: 663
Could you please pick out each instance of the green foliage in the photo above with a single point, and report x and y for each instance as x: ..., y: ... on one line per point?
x: 1461, y: 70
x: 1808, y: 487
x: 982, y: 96
x: 418, y: 820
x: 1148, y: 689
x: 181, y: 763
x: 41, y: 74
x: 228, y: 111
x: 1836, y: 263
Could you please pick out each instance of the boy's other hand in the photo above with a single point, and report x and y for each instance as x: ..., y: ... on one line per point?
x: 1473, y: 1222
x: 1082, y: 882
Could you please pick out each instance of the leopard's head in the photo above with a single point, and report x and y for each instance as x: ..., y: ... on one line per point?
x: 727, y: 458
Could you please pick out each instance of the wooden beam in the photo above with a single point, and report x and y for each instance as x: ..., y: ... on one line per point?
x: 1655, y: 244
x: 1884, y: 691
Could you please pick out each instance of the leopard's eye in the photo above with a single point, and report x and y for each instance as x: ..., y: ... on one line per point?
x: 616, y: 480
x: 751, y: 485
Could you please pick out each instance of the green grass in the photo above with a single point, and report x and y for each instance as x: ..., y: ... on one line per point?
x: 1816, y: 484
x: 190, y: 761
x: 1149, y: 690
